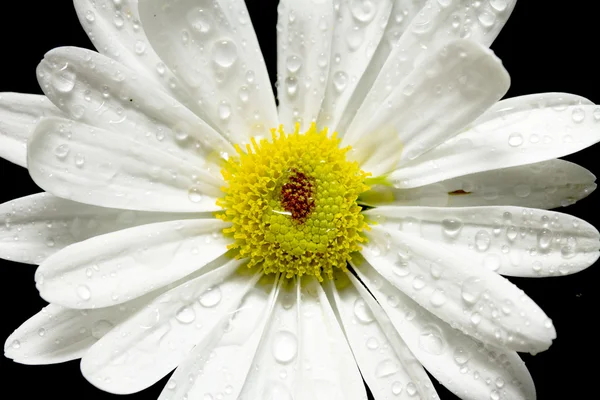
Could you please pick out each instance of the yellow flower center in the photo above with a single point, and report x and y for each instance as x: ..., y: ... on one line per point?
x: 291, y: 202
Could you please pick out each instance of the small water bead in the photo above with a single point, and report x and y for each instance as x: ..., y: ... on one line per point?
x: 84, y: 292
x: 487, y: 19
x: 118, y: 20
x: 482, y: 240
x: 438, y: 298
x: 140, y: 47
x: 411, y: 389
x: 224, y: 111
x: 355, y: 38
x: 61, y: 152
x: 494, y: 395
x: 396, y: 388
x: 225, y: 53
x: 90, y: 16
x: 475, y: 318
x: 340, y: 81
x: 285, y: 346
x: 322, y: 60
x: 444, y: 3
x: 250, y: 76
x: 291, y: 85
x: 578, y: 115
x: 293, y: 64
x: 544, y: 238
x: 499, y: 382
x: 362, y: 311
x: 522, y: 191
x: 372, y: 343
x: 386, y: 368
x: 211, y: 297
x: 101, y: 328
x: 461, y: 355
x: 499, y: 5
x: 185, y: 315
x: 15, y: 344
x: 511, y: 232
x: 171, y: 384
x: 198, y: 21
x: 432, y: 340
x: 63, y: 78
x: 41, y: 332
x: 515, y: 139
x: 451, y: 227
x: 79, y: 160
x: 418, y: 282
x: 363, y: 10
x: 471, y: 290
x: 195, y: 194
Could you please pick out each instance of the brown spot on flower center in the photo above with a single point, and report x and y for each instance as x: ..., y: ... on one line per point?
x: 297, y: 196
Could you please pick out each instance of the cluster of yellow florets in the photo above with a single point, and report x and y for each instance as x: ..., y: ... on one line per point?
x: 291, y: 201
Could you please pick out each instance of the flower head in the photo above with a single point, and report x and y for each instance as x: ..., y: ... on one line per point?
x: 357, y: 230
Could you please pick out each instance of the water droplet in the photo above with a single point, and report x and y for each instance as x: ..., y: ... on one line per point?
x: 411, y: 389
x: 494, y: 395
x: 372, y: 343
x: 386, y: 368
x: 244, y: 94
x: 363, y: 10
x: 482, y: 240
x: 211, y: 297
x: 522, y: 191
x: 363, y: 312
x: 41, y: 332
x: 84, y: 292
x: 418, y: 282
x: 475, y: 318
x: 461, y: 355
x: 101, y: 328
x: 195, y: 194
x: 15, y: 344
x: 340, y: 81
x: 498, y: 5
x: 285, y: 346
x: 185, y: 315
x: 487, y: 19
x: 438, y: 298
x: 293, y: 64
x: 50, y: 242
x: 578, y: 115
x: 499, y: 382
x: 90, y: 16
x: 396, y: 388
x: 544, y: 238
x: 432, y: 340
x: 63, y: 79
x: 198, y: 21
x: 452, y: 227
x: 515, y: 139
x: 291, y: 85
x: 140, y: 47
x: 401, y: 267
x: 119, y: 21
x: 471, y: 290
x: 225, y: 53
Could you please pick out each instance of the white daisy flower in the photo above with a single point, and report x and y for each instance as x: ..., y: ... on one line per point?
x: 359, y: 230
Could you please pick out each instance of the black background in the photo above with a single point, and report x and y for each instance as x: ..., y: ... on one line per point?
x: 547, y: 45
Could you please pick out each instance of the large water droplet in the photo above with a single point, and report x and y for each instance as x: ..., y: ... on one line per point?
x: 293, y: 64
x: 451, y: 227
x: 198, y: 21
x: 363, y: 312
x: 482, y: 240
x: 225, y: 53
x: 195, y: 194
x: 211, y: 297
x: 396, y: 388
x: 499, y: 5
x: 340, y: 81
x: 386, y: 368
x: 471, y: 290
x: 63, y: 78
x: 461, y: 355
x: 84, y: 292
x: 515, y: 139
x: 363, y: 10
x: 544, y: 238
x: 285, y: 346
x: 432, y: 340
x: 185, y: 315
x: 61, y: 152
x: 438, y: 298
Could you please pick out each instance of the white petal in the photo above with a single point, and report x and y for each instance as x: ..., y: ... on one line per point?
x: 510, y: 240
x: 457, y: 289
x: 523, y: 130
x: 119, y: 266
x: 222, y: 361
x: 304, y: 354
x: 357, y: 33
x: 115, y: 30
x: 146, y: 347
x: 470, y: 369
x: 19, y: 113
x: 213, y: 49
x: 437, y: 24
x: 386, y: 364
x: 98, y: 91
x: 432, y: 104
x: 99, y: 167
x: 548, y: 184
x: 401, y: 15
x: 58, y: 334
x: 37, y: 226
x: 304, y: 40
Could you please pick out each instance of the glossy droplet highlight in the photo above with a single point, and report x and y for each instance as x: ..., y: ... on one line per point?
x: 84, y: 292
x: 432, y: 340
x: 386, y: 368
x: 285, y: 346
x: 363, y: 312
x: 211, y: 297
x: 225, y: 53
x: 63, y: 78
x: 185, y: 315
x: 451, y: 227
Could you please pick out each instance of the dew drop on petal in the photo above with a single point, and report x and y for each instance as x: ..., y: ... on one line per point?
x: 185, y: 315
x: 211, y: 297
x: 363, y: 312
x: 284, y: 347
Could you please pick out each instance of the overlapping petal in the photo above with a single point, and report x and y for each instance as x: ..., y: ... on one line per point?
x: 119, y: 266
x: 19, y: 114
x: 547, y: 184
